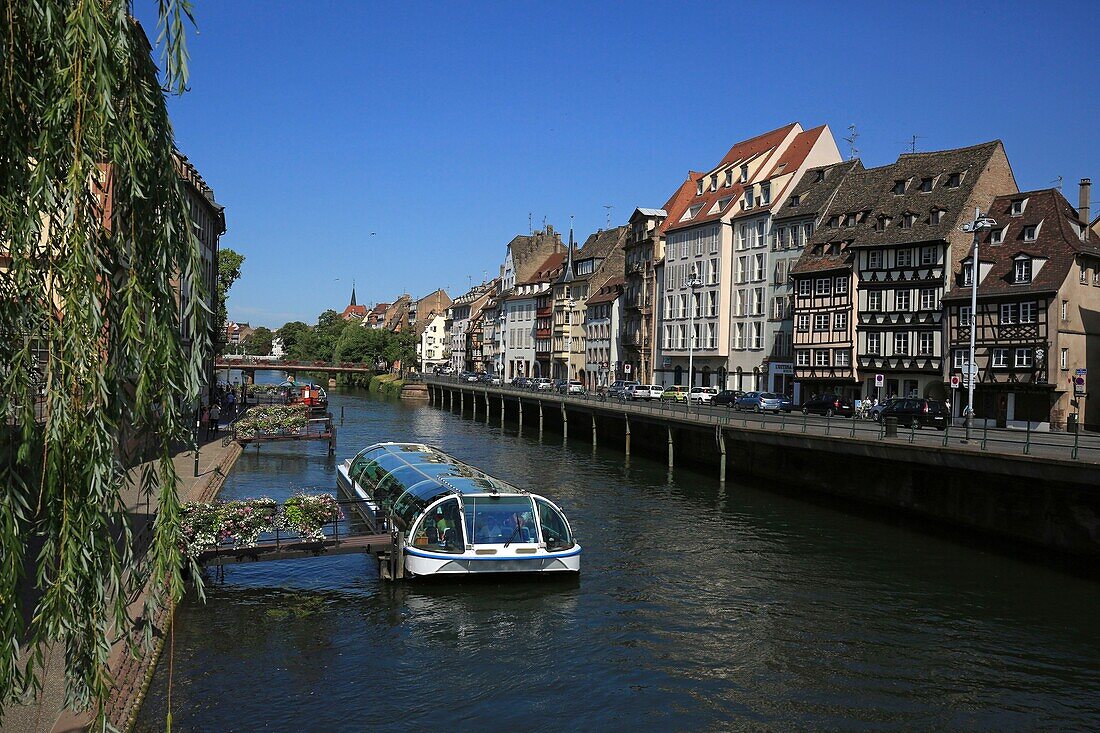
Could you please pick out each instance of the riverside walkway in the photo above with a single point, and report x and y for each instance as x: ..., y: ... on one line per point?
x: 1024, y: 486
x: 45, y: 713
x: 1079, y: 447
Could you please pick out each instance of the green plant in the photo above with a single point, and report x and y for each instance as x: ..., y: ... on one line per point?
x: 104, y: 331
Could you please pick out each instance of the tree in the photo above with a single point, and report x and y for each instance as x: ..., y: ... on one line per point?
x: 98, y: 241
x: 258, y: 343
x: 297, y: 340
x: 401, y: 348
x: 330, y: 326
x: 229, y: 271
x: 361, y: 345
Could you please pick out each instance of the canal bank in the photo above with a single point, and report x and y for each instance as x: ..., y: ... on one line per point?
x: 131, y: 674
x: 1034, y: 495
x: 702, y: 606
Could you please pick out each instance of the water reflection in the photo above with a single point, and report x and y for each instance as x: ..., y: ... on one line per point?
x: 701, y: 606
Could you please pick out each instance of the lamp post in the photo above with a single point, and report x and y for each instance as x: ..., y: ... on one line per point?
x: 981, y: 221
x: 693, y: 282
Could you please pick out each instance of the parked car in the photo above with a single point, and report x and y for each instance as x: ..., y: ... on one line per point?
x: 829, y: 405
x: 726, y: 397
x: 675, y: 393
x: 645, y: 392
x: 619, y: 388
x: 876, y: 410
x: 471, y: 377
x: 543, y: 384
x: 573, y: 387
x: 917, y: 413
x: 485, y: 377
x: 497, y: 381
x: 764, y: 402
x: 702, y: 395
x: 520, y: 382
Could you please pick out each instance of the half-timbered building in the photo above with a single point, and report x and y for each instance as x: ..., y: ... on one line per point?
x: 1035, y: 301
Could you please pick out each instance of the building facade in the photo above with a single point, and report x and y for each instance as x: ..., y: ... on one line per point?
x: 713, y: 312
x: 603, y: 360
x: 1037, y: 291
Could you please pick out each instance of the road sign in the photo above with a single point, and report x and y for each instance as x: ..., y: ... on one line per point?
x: 1079, y: 384
x: 879, y: 380
x: 1082, y: 372
x: 954, y: 381
x: 628, y: 368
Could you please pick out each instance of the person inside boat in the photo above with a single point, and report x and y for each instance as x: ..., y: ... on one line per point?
x: 488, y: 530
x: 442, y: 527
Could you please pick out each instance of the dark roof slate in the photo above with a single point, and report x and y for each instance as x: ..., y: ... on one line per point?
x: 814, y: 195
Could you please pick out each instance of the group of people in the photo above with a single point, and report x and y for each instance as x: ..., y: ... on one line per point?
x: 222, y: 402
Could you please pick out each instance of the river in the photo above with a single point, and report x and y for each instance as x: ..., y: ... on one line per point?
x: 699, y: 607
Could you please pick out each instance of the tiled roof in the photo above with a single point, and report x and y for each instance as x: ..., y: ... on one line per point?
x: 829, y: 259
x: 601, y: 243
x: 610, y: 291
x: 1056, y: 241
x: 870, y: 196
x: 677, y: 203
x: 724, y: 200
x: 813, y: 194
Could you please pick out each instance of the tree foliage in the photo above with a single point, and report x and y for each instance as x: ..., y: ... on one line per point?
x: 297, y: 340
x: 258, y: 343
x: 229, y: 271
x: 89, y: 314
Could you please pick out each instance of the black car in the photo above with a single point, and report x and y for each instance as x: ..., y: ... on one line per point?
x: 918, y: 413
x: 726, y: 397
x: 829, y: 405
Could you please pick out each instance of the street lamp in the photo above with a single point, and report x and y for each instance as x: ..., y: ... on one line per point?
x: 981, y: 221
x: 693, y: 283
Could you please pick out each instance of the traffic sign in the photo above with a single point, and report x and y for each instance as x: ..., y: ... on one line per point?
x: 1082, y: 372
x: 879, y: 380
x: 628, y: 367
x: 954, y: 381
x: 1079, y: 384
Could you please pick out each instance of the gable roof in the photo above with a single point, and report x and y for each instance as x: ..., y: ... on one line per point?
x: 610, y: 291
x: 1057, y: 242
x: 814, y: 195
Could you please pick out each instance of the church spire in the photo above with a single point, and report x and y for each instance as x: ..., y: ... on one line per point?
x: 353, y: 292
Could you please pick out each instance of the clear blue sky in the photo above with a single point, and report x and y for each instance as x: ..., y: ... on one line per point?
x: 440, y: 126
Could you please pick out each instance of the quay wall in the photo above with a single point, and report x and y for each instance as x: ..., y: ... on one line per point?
x: 1026, y: 500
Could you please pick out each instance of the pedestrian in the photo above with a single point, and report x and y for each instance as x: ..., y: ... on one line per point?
x: 204, y: 421
x: 215, y: 419
x: 231, y: 403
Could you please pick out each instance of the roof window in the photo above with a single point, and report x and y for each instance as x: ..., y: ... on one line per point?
x: 937, y: 216
x: 744, y: 172
x: 1018, y: 207
x: 925, y: 185
x: 954, y: 180
x: 1030, y: 233
x: 699, y: 188
x: 899, y: 188
x: 907, y: 221
x: 1022, y: 270
x: 820, y: 176
x: 796, y: 200
x: 996, y: 236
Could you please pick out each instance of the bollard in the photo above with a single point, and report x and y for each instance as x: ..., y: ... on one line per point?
x: 1075, y: 444
x: 946, y: 430
x: 891, y: 425
x: 912, y: 431
x: 805, y: 417
x: 341, y: 414
x: 1027, y: 442
x: 985, y: 432
x: 828, y: 422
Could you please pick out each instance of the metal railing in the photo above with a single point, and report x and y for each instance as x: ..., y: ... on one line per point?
x: 1076, y: 446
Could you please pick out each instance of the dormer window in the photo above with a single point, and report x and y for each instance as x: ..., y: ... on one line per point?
x: 954, y: 180
x: 699, y: 188
x: 744, y: 172
x: 899, y: 188
x: 714, y: 182
x: 996, y: 236
x: 849, y: 220
x: 907, y: 221
x: 925, y: 185
x: 1022, y: 271
x: 729, y: 177
x: 1018, y: 207
x: 937, y: 216
x: 833, y: 221
x: 765, y: 194
x: 1029, y: 234
x: 968, y: 274
x: 796, y: 200
x: 748, y: 197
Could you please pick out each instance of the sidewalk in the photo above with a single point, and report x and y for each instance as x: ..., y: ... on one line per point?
x: 46, y: 713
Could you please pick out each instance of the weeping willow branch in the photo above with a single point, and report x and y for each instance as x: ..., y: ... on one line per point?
x: 102, y: 331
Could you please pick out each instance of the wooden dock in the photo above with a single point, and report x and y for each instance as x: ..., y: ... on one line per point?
x: 293, y: 549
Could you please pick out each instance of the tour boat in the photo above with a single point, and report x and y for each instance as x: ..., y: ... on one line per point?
x: 456, y: 519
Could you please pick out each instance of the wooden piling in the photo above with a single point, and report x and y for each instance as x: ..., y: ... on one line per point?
x: 593, y: 430
x: 564, y: 422
x: 722, y: 451
x: 627, y: 417
x: 670, y: 447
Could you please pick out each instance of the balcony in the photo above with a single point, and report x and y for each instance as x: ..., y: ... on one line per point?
x: 543, y: 333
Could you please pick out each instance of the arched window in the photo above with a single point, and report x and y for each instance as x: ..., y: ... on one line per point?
x: 721, y: 378
x: 678, y: 375
x: 740, y: 384
x: 706, y: 376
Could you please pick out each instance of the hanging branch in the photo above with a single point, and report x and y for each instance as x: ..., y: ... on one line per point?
x: 102, y: 331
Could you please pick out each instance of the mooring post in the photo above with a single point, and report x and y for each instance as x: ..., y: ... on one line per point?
x: 627, y: 418
x: 564, y: 421
x: 593, y: 430
x: 540, y: 418
x: 341, y: 414
x: 519, y: 405
x: 670, y: 447
x: 722, y: 452
x: 461, y: 402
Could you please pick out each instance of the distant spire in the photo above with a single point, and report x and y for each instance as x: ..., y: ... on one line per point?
x: 567, y: 272
x: 353, y: 292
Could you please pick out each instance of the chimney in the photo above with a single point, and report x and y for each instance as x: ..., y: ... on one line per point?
x: 1083, y: 206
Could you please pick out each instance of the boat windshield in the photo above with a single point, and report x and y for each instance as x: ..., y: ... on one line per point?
x: 441, y: 529
x: 496, y: 520
x: 555, y: 530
